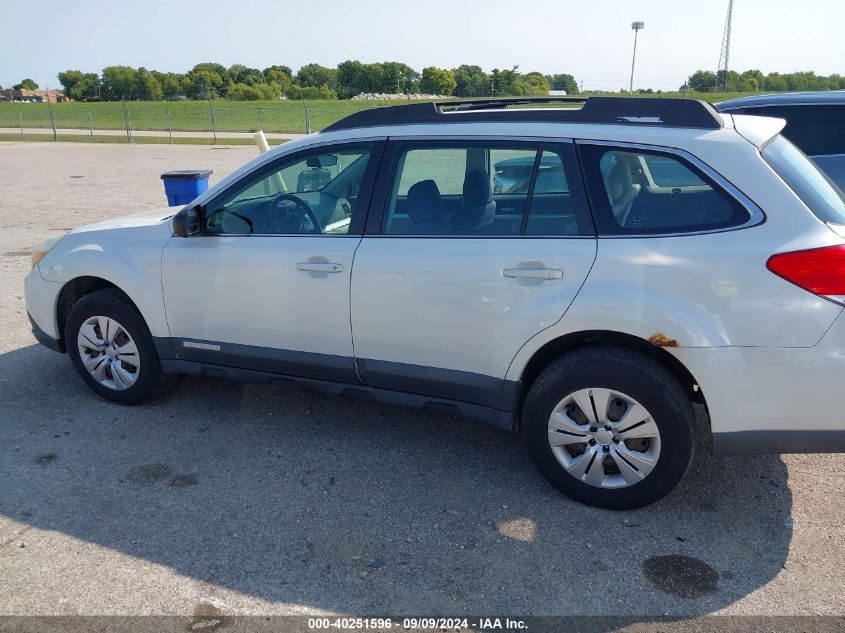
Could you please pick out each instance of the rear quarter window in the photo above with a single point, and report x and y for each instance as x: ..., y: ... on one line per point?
x: 642, y: 192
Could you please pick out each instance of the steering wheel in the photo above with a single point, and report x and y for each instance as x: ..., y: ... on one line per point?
x: 288, y: 217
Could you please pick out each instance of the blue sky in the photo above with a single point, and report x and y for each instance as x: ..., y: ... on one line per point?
x: 591, y: 39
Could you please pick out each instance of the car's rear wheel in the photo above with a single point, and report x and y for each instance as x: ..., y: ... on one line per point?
x: 111, y: 348
x: 609, y: 427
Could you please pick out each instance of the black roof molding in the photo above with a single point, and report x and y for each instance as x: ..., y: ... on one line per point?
x: 690, y: 113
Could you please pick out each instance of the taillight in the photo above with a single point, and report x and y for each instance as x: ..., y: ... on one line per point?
x: 819, y: 270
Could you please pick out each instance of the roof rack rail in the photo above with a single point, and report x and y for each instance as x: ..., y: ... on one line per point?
x: 502, y: 102
x: 691, y: 113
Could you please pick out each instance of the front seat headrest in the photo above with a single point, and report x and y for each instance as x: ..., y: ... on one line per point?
x: 477, y: 207
x: 477, y: 189
x: 425, y: 203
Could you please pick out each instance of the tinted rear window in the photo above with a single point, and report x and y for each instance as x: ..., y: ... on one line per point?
x: 809, y: 182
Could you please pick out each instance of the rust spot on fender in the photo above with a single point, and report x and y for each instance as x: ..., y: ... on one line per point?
x: 661, y: 340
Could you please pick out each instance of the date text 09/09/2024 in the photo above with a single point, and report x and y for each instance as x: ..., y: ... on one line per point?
x: 449, y: 624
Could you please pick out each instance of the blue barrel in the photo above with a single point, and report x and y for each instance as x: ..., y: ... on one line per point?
x: 183, y: 185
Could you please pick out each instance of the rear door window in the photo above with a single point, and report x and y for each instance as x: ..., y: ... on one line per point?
x: 547, y: 211
x: 484, y: 188
x: 641, y: 192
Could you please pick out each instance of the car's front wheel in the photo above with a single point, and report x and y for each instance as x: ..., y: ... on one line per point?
x: 111, y: 347
x: 609, y: 427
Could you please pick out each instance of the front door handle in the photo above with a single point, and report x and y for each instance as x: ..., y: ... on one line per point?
x: 544, y: 274
x: 320, y: 267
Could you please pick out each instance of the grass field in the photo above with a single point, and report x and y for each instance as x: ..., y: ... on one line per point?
x: 229, y: 116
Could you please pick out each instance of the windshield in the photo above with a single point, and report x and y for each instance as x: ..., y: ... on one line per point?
x: 810, y: 183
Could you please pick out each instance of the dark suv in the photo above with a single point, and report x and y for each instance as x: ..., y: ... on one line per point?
x: 815, y: 122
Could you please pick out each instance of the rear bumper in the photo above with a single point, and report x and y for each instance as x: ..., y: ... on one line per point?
x: 765, y: 400
x: 45, y: 339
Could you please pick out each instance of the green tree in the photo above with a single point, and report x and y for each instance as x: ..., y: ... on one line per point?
x: 732, y: 83
x: 702, y: 81
x: 88, y: 87
x: 471, y: 81
x: 119, y: 82
x: 205, y: 81
x: 399, y: 77
x: 752, y: 77
x: 68, y: 79
x: 147, y: 87
x: 373, y: 76
x: 563, y: 81
x: 315, y: 75
x: 279, y: 75
x: 437, y: 81
x: 238, y: 73
x: 310, y: 92
x: 26, y: 84
x: 245, y: 92
x: 536, y: 84
x: 775, y: 83
x: 507, y: 82
x: 351, y: 79
x: 171, y: 83
x: 79, y: 86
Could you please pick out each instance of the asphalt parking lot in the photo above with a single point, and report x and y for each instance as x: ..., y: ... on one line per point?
x: 242, y: 499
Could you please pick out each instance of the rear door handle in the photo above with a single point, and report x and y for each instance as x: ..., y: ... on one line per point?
x: 544, y: 274
x: 320, y: 267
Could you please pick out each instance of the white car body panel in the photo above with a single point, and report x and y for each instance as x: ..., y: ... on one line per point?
x: 100, y: 250
x: 446, y: 304
x: 782, y: 390
x: 247, y: 290
x: 41, y: 297
x: 757, y: 130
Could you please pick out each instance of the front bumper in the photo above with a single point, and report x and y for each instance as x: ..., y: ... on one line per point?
x: 41, y: 300
x: 45, y: 339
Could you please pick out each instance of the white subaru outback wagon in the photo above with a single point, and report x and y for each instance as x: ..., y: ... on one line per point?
x: 638, y: 256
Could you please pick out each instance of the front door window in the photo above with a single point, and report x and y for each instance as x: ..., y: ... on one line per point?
x: 312, y: 193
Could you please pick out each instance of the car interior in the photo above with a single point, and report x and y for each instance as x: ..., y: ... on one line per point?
x: 650, y: 191
x: 490, y: 200
x: 317, y: 194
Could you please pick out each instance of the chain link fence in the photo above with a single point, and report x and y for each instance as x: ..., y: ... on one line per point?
x: 184, y: 120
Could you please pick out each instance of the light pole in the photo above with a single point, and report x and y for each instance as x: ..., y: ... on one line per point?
x: 636, y: 26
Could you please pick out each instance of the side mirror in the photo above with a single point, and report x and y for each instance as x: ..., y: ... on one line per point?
x: 188, y: 221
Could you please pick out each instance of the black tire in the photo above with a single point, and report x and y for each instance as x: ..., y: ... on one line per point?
x: 635, y: 375
x: 112, y: 303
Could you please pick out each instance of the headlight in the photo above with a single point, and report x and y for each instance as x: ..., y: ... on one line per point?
x: 43, y: 248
